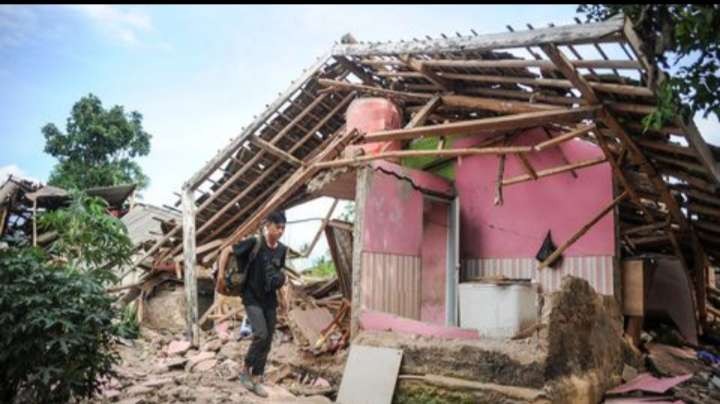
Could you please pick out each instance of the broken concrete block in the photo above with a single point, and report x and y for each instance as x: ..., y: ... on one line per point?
x: 213, y: 345
x: 178, y: 347
x: 138, y: 390
x: 155, y: 382
x: 204, y: 366
x: 195, y: 359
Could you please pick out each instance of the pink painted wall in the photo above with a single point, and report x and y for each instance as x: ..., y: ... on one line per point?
x: 433, y: 258
x: 560, y: 202
x: 393, y: 216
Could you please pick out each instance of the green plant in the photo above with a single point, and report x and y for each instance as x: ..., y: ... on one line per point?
x: 88, y: 237
x: 98, y: 147
x: 127, y: 326
x: 686, y: 33
x: 348, y: 213
x: 323, y: 267
x: 56, y: 330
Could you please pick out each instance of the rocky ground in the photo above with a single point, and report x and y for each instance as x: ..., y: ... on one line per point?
x: 164, y: 368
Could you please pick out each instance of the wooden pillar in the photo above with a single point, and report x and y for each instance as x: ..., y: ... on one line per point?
x: 35, y: 223
x: 362, y: 187
x: 190, y: 277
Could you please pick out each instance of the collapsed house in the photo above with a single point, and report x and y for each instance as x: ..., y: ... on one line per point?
x: 484, y: 170
x: 22, y: 200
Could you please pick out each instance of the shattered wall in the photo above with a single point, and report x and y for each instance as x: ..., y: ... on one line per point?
x: 394, y: 246
x: 504, y: 239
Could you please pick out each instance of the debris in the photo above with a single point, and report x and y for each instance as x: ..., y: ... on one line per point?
x: 646, y: 382
x: 369, y: 366
x: 629, y: 373
x: 310, y: 323
x: 178, y: 347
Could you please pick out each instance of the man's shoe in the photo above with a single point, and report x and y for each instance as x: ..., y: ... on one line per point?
x: 260, y: 390
x: 246, y: 381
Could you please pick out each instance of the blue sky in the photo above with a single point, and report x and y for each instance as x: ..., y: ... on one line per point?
x: 198, y: 74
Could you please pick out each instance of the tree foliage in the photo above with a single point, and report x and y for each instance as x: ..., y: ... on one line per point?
x: 684, y: 37
x: 98, y: 147
x: 88, y: 237
x: 57, y: 330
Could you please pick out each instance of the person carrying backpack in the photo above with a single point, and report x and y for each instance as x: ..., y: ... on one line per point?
x: 257, y: 276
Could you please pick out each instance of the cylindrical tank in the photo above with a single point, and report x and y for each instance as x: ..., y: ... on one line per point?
x: 374, y: 114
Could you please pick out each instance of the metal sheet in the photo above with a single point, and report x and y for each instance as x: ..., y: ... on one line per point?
x: 391, y: 283
x: 370, y: 375
x: 597, y: 270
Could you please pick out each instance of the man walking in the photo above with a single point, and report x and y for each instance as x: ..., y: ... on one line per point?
x: 264, y: 277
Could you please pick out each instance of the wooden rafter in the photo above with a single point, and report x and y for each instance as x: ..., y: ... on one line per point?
x: 469, y: 127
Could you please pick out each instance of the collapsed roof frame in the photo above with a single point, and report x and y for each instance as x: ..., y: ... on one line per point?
x: 467, y: 82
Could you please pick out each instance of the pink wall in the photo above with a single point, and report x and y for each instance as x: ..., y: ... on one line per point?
x: 393, y: 216
x: 560, y: 202
x: 434, y: 257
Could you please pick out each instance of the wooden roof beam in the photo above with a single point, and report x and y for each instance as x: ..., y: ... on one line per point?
x: 516, y: 121
x: 567, y: 34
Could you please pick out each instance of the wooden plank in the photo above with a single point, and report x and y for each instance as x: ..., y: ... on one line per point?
x: 555, y: 170
x: 668, y: 147
x: 524, y: 63
x: 342, y: 85
x: 496, y: 105
x: 421, y: 116
x: 623, y: 180
x: 568, y: 34
x: 290, y: 186
x: 564, y: 137
x: 426, y: 73
x: 549, y: 260
x: 528, y: 167
x: 623, y: 89
x: 469, y: 127
x: 567, y: 69
x: 269, y: 147
x: 692, y: 134
x: 190, y: 277
x: 219, y: 158
x: 422, y: 153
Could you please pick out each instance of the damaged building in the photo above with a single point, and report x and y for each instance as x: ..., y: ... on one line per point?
x: 504, y: 189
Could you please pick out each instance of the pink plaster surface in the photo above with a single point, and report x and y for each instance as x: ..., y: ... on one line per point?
x: 560, y: 203
x: 433, y: 259
x: 392, y: 222
x: 421, y: 179
x: 380, y: 321
x: 374, y: 114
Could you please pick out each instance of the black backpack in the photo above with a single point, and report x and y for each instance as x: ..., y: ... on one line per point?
x: 232, y: 281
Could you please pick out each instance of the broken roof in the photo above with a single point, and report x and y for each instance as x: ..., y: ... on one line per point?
x: 513, y: 80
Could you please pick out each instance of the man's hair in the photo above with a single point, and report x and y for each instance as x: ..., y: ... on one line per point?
x: 277, y: 217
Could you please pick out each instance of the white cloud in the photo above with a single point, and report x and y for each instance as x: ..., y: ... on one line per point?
x: 16, y: 172
x: 122, y: 24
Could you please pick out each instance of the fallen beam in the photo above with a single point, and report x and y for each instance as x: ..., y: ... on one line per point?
x: 554, y: 170
x: 549, y: 260
x: 564, y: 137
x: 424, y: 153
x: 516, y: 121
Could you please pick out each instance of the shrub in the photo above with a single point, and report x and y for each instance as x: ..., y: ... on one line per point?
x: 323, y: 267
x: 56, y: 330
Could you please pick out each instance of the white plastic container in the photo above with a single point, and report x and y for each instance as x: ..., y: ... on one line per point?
x: 497, y: 311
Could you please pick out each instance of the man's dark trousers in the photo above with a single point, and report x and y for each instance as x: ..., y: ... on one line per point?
x: 262, y: 320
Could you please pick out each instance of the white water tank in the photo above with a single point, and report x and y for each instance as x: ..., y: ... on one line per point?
x: 497, y: 310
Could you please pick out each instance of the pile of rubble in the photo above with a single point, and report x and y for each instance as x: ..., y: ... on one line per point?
x: 160, y: 367
x: 672, y: 370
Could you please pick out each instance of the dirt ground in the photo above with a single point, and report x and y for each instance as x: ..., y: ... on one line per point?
x: 148, y: 373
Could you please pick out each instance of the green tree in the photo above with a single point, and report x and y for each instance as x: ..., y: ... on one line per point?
x: 57, y: 330
x: 88, y: 238
x: 98, y: 147
x: 682, y: 37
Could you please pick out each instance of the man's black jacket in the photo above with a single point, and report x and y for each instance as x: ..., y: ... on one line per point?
x: 265, y: 273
